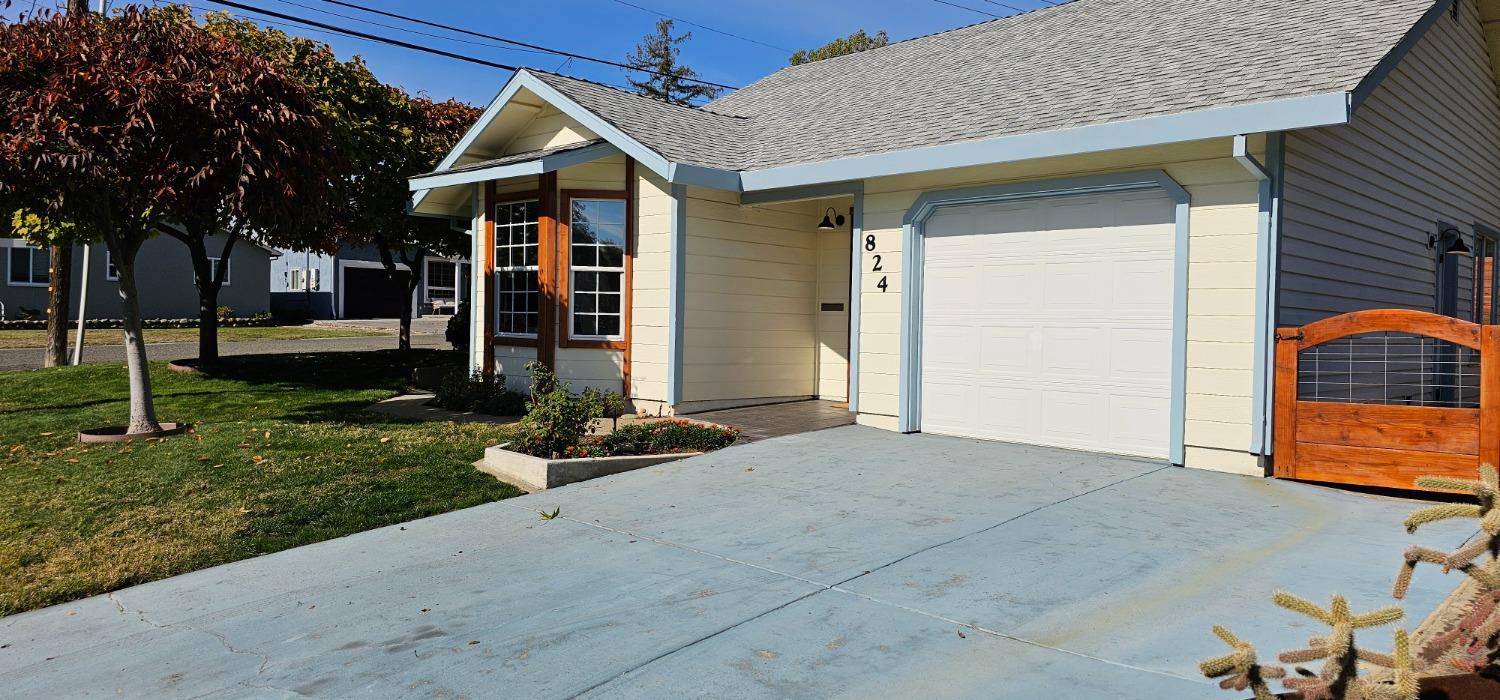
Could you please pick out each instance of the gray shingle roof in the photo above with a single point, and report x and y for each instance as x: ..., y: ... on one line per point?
x: 1082, y: 63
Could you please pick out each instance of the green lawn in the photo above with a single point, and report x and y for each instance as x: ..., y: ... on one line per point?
x: 11, y: 338
x: 284, y: 454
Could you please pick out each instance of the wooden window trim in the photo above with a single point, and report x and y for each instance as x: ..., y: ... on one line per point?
x: 492, y: 201
x: 564, y: 249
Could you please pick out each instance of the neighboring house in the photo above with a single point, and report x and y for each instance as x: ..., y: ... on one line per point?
x: 164, y: 274
x: 352, y: 283
x: 1078, y: 226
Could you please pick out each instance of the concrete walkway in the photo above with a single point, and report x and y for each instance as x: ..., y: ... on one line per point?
x: 849, y: 562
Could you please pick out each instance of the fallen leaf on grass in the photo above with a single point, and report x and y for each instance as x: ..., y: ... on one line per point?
x: 72, y: 460
x: 385, y: 440
x: 243, y: 445
x: 45, y: 434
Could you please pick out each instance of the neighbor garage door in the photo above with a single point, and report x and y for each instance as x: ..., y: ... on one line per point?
x: 1049, y: 321
x: 370, y: 293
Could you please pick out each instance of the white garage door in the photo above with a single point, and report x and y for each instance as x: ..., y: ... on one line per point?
x: 1049, y: 321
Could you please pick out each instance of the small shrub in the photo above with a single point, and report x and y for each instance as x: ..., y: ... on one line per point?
x: 558, y: 419
x: 457, y: 331
x: 480, y: 394
x: 665, y: 437
x: 611, y: 402
x: 225, y: 313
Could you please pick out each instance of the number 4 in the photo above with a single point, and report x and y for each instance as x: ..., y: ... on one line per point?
x: 882, y: 283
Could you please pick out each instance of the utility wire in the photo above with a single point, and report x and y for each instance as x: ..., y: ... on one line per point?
x: 513, y: 42
x: 408, y: 30
x: 1008, y: 7
x: 363, y: 35
x: 702, y: 26
x: 942, y: 2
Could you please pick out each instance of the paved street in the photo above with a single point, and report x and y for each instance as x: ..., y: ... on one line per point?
x: 426, y: 333
x: 849, y: 562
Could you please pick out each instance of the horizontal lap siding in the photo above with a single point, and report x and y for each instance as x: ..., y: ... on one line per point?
x: 1221, y: 296
x: 750, y: 293
x: 550, y: 128
x: 1360, y: 200
x: 650, y: 295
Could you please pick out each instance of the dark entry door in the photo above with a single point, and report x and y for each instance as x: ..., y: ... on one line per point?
x: 369, y: 293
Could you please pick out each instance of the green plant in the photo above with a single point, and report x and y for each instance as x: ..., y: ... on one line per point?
x: 1240, y: 669
x: 479, y: 393
x: 611, y: 402
x: 663, y: 437
x: 225, y: 313
x: 558, y: 419
x: 457, y: 331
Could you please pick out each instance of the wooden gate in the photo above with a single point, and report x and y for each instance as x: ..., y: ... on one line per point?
x: 1381, y: 397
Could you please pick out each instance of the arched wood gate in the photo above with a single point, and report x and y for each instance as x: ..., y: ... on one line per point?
x: 1381, y: 397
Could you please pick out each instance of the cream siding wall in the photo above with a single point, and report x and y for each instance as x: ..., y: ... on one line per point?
x: 750, y: 294
x: 1360, y: 200
x: 1221, y: 297
x: 651, y: 290
x: 550, y: 128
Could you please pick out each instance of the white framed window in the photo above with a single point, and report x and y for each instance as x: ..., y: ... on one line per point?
x: 518, y: 297
x: 213, y: 266
x: 28, y: 266
x: 442, y: 281
x: 111, y: 272
x: 596, y: 268
x: 296, y: 279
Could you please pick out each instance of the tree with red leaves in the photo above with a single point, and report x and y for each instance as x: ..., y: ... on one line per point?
x: 120, y: 124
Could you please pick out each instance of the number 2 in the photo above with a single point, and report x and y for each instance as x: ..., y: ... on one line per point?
x: 877, y: 267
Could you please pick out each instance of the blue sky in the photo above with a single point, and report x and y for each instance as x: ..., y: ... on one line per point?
x: 609, y: 29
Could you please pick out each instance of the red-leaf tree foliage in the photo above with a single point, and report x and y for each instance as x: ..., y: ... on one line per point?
x: 120, y: 124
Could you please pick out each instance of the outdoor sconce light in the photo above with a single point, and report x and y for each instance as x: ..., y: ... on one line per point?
x: 831, y: 219
x: 1449, y: 242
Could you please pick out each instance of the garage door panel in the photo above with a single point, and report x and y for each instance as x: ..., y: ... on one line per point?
x: 1050, y: 322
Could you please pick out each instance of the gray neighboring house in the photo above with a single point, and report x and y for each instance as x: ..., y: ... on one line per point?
x: 165, y: 275
x: 351, y: 283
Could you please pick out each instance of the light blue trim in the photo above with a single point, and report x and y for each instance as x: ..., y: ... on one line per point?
x: 544, y: 164
x: 677, y: 309
x: 1276, y: 115
x: 476, y: 342
x: 1266, y: 233
x: 523, y: 79
x: 700, y: 176
x: 856, y: 287
x: 912, y: 255
x: 1388, y: 64
x: 794, y: 194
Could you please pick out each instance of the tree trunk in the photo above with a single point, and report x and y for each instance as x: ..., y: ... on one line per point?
x: 209, y: 282
x: 408, y: 285
x: 78, y: 7
x: 208, y: 325
x: 59, y: 290
x: 142, y: 410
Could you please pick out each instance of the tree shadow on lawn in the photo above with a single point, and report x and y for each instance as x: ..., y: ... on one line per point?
x: 101, y: 402
x: 369, y: 369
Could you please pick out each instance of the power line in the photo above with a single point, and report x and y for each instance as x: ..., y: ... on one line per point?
x: 362, y: 35
x: 941, y: 2
x: 701, y: 26
x: 1008, y: 7
x: 405, y: 29
x: 513, y: 42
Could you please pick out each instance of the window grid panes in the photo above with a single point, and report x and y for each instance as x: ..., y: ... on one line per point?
x: 28, y: 266
x: 517, y: 290
x: 213, y: 266
x: 596, y: 260
x: 442, y: 281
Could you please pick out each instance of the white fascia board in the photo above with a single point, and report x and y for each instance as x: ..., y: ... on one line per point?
x: 1276, y: 115
x: 547, y: 163
x: 654, y: 161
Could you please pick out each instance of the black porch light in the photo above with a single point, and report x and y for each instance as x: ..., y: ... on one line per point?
x: 831, y: 219
x: 1450, y: 242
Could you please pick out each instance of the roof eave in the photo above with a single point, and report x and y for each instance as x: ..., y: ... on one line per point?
x: 1274, y: 115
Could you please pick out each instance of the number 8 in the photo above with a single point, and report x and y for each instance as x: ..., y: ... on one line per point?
x: 870, y: 242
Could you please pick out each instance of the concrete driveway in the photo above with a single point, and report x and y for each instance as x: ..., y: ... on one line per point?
x: 848, y: 562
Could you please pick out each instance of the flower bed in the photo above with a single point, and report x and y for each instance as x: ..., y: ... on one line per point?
x: 656, y: 438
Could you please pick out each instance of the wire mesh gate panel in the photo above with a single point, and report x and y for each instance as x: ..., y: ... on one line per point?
x: 1381, y: 397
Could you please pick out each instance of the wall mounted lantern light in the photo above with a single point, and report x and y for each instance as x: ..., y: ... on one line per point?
x: 1449, y: 242
x: 831, y: 219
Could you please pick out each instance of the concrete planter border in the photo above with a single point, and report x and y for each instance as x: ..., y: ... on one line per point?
x: 537, y: 474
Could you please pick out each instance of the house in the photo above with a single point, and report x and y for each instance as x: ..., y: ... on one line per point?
x: 164, y: 278
x: 1079, y: 226
x: 352, y: 283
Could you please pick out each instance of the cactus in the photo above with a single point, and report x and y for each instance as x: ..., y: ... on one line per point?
x: 1485, y: 490
x: 1241, y: 667
x: 1339, y: 678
